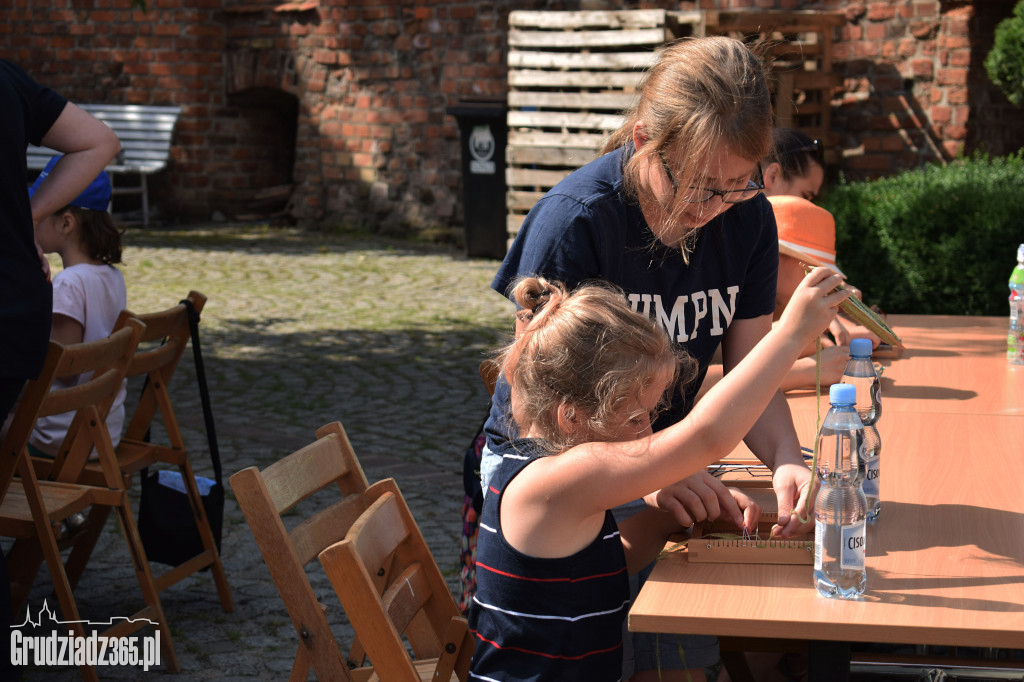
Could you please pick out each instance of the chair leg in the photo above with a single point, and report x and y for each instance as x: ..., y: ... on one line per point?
x: 144, y: 575
x: 220, y: 578
x: 23, y: 563
x: 85, y: 543
x: 301, y: 666
x: 62, y: 589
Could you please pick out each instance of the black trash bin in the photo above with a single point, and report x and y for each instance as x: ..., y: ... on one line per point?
x: 484, y: 133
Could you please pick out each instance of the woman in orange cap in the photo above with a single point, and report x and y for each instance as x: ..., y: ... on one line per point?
x: 807, y: 234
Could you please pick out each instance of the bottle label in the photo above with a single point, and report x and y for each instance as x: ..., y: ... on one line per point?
x: 819, y: 541
x: 871, y: 478
x: 851, y: 554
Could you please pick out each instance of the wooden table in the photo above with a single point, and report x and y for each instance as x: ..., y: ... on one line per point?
x: 945, y: 560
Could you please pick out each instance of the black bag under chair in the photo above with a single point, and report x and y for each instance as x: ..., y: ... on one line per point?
x: 167, y: 521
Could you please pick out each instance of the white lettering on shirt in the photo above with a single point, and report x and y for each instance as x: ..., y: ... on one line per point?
x: 683, y: 320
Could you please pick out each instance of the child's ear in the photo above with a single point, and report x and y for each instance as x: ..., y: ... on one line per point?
x: 571, y: 421
x: 68, y: 222
x: 772, y: 172
x: 639, y: 134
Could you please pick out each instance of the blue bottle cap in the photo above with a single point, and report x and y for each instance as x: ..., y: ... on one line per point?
x: 842, y: 394
x: 860, y: 348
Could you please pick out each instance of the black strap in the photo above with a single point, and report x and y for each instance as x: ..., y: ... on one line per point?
x: 204, y: 393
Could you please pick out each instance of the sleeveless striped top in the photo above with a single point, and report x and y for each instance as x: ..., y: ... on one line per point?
x: 546, y: 619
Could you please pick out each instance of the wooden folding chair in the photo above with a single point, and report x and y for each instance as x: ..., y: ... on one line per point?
x: 264, y: 496
x: 390, y: 586
x: 163, y: 341
x: 32, y: 510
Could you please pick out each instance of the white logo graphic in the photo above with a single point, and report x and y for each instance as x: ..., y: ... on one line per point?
x: 71, y: 649
x: 481, y: 148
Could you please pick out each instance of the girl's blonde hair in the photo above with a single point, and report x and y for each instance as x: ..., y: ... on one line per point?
x: 702, y: 93
x: 586, y: 350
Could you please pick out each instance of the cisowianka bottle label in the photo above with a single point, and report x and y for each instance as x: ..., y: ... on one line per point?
x: 852, y: 552
x: 871, y: 477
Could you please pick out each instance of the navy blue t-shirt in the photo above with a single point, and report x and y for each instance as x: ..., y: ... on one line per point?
x: 587, y: 228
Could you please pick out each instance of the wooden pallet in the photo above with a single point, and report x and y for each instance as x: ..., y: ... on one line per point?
x: 799, y: 47
x: 570, y: 75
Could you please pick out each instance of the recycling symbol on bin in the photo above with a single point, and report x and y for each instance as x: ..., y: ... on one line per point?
x: 481, y: 148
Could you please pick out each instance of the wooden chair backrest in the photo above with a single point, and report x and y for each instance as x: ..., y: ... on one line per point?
x: 265, y: 495
x: 107, y: 361
x: 390, y: 586
x: 162, y: 344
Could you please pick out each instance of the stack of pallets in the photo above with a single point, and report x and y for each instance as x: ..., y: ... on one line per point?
x: 570, y: 75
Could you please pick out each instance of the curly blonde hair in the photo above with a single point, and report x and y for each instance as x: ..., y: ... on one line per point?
x: 586, y: 350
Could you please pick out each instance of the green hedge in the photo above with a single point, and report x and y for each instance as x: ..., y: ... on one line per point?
x: 937, y: 240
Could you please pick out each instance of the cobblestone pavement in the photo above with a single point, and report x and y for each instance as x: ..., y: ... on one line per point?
x: 301, y: 330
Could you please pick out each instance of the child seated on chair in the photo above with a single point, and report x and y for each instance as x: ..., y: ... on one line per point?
x: 88, y: 294
x: 586, y: 375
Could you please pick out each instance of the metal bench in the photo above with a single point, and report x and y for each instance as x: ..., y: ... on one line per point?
x: 145, y: 134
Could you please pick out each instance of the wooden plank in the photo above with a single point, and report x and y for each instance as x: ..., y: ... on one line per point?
x: 513, y: 222
x: 518, y: 200
x: 582, y: 19
x: 801, y: 51
x: 607, y: 101
x: 585, y: 39
x: 530, y: 177
x: 626, y: 80
x: 549, y: 156
x: 786, y: 21
x: 564, y: 119
x: 533, y: 138
x: 616, y: 61
x: 816, y: 80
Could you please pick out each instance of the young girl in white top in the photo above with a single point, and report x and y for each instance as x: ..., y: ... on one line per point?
x: 88, y: 294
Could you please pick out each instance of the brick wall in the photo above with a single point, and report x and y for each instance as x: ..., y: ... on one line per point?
x: 915, y: 90
x: 333, y: 111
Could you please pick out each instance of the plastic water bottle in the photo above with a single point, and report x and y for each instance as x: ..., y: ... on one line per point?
x: 860, y: 372
x: 1015, y: 336
x: 840, y: 508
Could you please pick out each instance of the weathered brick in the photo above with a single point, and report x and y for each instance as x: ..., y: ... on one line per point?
x: 878, y: 11
x: 952, y: 76
x: 941, y: 114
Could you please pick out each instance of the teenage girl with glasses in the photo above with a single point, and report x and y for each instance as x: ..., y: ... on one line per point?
x: 672, y: 214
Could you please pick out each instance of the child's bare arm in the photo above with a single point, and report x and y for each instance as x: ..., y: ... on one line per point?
x: 644, y: 534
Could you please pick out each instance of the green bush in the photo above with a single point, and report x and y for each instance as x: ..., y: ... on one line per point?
x: 1005, y: 61
x: 937, y: 240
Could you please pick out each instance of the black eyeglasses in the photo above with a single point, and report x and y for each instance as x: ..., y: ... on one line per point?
x: 699, y: 195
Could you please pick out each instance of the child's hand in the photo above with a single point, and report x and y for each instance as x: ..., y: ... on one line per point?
x: 814, y: 304
x: 751, y: 510
x: 45, y: 263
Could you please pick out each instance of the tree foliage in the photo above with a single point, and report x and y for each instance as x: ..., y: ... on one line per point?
x: 936, y: 240
x: 1005, y: 62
